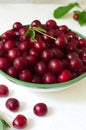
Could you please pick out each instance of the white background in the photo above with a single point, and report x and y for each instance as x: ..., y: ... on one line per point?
x: 67, y: 108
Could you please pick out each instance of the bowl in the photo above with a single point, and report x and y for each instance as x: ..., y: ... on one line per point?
x: 45, y: 87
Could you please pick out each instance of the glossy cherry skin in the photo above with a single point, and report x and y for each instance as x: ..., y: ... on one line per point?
x: 61, y: 42
x: 55, y: 65
x: 4, y: 91
x: 46, y: 55
x: 19, y: 122
x: 40, y: 109
x: 4, y: 64
x: 82, y: 42
x: 75, y: 64
x: 25, y: 75
x: 17, y: 26
x: 36, y: 23
x: 51, y: 24
x: 76, y: 16
x: 49, y: 78
x: 41, y: 68
x: 64, y: 76
x: 12, y: 71
x: 9, y: 45
x: 12, y: 104
x: 13, y: 53
x: 20, y: 63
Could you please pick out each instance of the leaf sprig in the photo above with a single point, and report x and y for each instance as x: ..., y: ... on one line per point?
x: 63, y: 10
x: 32, y: 32
x: 3, y: 124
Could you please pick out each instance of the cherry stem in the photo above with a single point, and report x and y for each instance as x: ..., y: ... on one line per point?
x: 34, y: 28
x: 44, y: 34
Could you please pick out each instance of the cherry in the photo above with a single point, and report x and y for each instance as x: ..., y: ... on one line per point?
x: 41, y: 68
x: 51, y: 24
x: 20, y: 63
x: 55, y: 65
x: 36, y: 23
x: 49, y: 78
x: 46, y: 55
x: 40, y: 46
x: 9, y: 45
x: 25, y: 75
x: 31, y: 60
x: 82, y: 42
x: 4, y: 64
x: 75, y: 63
x: 64, y: 76
x: 12, y: 104
x: 19, y: 122
x: 57, y: 53
x: 72, y: 35
x: 24, y: 46
x: 76, y: 16
x: 8, y: 35
x: 13, y: 53
x: 17, y: 26
x: 22, y: 31
x: 34, y: 52
x: 4, y: 91
x: 61, y: 41
x: 12, y: 71
x: 63, y: 28
x: 40, y: 109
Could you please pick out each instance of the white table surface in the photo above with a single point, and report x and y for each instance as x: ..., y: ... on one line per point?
x: 67, y: 108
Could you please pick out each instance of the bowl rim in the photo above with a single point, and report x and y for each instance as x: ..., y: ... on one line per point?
x: 45, y: 86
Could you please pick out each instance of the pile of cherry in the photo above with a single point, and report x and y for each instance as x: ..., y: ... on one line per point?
x: 56, y: 56
x: 13, y: 105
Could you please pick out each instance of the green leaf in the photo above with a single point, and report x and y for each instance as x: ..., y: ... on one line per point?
x: 40, y: 29
x: 3, y: 124
x: 30, y: 32
x: 82, y: 18
x: 62, y: 10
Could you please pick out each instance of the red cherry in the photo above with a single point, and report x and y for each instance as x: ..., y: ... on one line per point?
x: 17, y: 26
x: 75, y: 64
x: 64, y: 76
x: 61, y: 41
x: 4, y: 64
x: 3, y: 90
x: 12, y: 104
x: 55, y: 65
x: 25, y: 75
x: 19, y: 122
x: 20, y: 63
x: 49, y: 78
x: 40, y: 109
x: 76, y: 16
x: 51, y: 24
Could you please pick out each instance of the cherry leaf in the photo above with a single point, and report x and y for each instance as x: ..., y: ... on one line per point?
x: 3, y: 124
x: 82, y: 18
x: 30, y: 32
x: 62, y: 10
